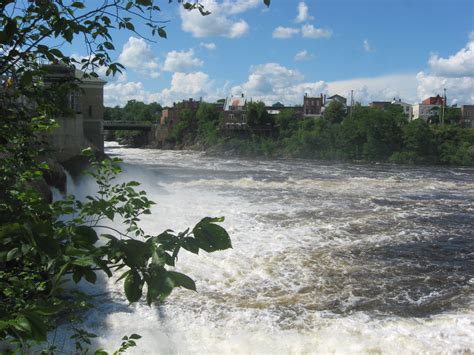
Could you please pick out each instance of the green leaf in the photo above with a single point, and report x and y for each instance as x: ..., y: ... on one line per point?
x: 266, y: 2
x: 84, y: 261
x: 12, y: 254
x: 136, y: 253
x: 85, y: 236
x: 90, y: 276
x: 159, y: 285
x: 190, y: 244
x: 162, y: 32
x: 133, y: 286
x: 210, y: 236
x: 38, y: 328
x: 78, y: 5
x: 135, y: 336
x: 182, y: 280
x: 109, y: 45
x: 22, y: 324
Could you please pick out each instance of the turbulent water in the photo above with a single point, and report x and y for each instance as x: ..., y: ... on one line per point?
x: 326, y: 258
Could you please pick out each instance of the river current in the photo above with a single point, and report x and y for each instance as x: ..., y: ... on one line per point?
x: 326, y: 257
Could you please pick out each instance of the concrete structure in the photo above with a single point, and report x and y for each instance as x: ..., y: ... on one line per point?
x: 91, y: 105
x: 81, y: 124
x: 312, y: 106
x: 467, y: 116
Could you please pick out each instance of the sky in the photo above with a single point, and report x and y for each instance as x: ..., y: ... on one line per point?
x: 380, y: 49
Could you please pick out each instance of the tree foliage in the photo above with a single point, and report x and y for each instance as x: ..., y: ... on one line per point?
x: 44, y: 245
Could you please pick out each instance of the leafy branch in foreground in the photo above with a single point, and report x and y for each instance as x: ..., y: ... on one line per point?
x: 45, y: 247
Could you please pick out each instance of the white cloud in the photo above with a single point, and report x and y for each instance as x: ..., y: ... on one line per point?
x: 273, y: 82
x: 309, y: 31
x: 455, y: 74
x: 182, y: 86
x: 458, y: 90
x: 367, y: 46
x: 181, y: 61
x: 285, y: 32
x: 457, y: 65
x: 117, y: 94
x: 211, y: 46
x: 221, y: 22
x: 379, y: 88
x: 303, y: 55
x: 303, y: 14
x: 137, y: 55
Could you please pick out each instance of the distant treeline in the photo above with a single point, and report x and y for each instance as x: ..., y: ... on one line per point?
x: 133, y: 111
x: 369, y: 134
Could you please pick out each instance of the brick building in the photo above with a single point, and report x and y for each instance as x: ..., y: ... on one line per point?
x: 312, y: 106
x: 381, y: 105
x: 170, y: 115
x: 434, y: 100
x: 467, y: 116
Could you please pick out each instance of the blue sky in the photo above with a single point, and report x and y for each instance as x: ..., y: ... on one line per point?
x: 379, y: 48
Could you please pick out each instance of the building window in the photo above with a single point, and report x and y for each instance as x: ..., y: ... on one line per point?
x: 90, y: 111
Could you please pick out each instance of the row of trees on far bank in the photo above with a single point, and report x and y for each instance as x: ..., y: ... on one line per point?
x: 368, y: 134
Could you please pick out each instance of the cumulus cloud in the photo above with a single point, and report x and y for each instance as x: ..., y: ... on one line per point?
x: 457, y: 65
x: 284, y: 32
x: 379, y: 88
x: 211, y: 46
x: 182, y: 61
x: 221, y: 22
x: 138, y: 55
x: 273, y: 82
x: 303, y: 14
x: 303, y: 55
x: 367, y: 46
x: 454, y: 73
x: 182, y: 86
x: 458, y: 89
x: 309, y: 31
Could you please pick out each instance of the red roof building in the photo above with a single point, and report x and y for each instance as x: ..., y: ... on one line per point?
x: 436, y: 100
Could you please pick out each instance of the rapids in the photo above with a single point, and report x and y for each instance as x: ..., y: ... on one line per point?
x: 326, y: 257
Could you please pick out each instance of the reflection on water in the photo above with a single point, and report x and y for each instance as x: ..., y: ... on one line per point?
x: 327, y: 257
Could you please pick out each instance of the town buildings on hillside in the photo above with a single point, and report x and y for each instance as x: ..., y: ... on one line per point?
x: 234, y: 109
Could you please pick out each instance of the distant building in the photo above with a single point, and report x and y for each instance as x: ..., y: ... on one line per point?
x: 337, y: 98
x: 235, y: 112
x: 170, y: 115
x: 312, y: 106
x: 425, y: 111
x: 467, y: 116
x: 407, y: 108
x: 381, y: 105
x: 435, y: 100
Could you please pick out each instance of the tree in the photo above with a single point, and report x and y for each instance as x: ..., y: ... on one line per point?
x: 335, y: 112
x: 37, y: 248
x: 257, y: 114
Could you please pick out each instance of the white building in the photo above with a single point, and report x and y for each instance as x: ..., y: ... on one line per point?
x: 407, y: 108
x: 425, y: 112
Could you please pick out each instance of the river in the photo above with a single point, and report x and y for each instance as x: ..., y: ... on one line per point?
x: 326, y: 257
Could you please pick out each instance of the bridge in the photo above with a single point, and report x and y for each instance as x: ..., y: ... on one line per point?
x: 127, y: 125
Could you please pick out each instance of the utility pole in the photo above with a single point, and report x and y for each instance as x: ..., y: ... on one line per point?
x: 444, y: 106
x: 352, y: 102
